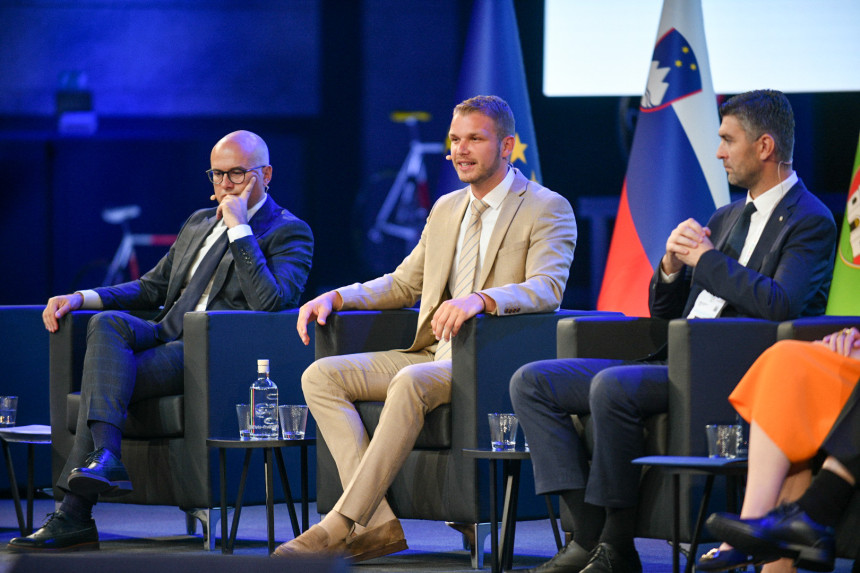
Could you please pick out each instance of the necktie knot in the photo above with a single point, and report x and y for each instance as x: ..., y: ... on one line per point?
x: 478, y: 207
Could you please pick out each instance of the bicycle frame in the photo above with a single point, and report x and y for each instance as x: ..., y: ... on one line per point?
x: 402, y: 191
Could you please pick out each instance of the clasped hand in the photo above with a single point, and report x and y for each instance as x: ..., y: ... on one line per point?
x: 686, y: 244
x: 845, y: 342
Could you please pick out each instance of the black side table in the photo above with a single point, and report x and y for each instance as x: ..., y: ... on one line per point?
x: 270, y: 448
x: 502, y: 554
x: 32, y: 436
x: 732, y: 468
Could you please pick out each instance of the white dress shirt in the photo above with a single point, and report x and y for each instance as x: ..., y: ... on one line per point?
x: 488, y: 222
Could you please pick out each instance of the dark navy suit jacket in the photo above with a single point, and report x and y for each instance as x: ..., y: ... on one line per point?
x: 264, y: 271
x: 787, y: 276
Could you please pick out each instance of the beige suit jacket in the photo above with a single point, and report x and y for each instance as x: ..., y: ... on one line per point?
x: 525, y: 267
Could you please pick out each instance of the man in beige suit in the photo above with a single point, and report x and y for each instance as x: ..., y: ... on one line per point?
x: 523, y: 235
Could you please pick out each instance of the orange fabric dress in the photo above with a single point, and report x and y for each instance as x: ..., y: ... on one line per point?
x: 795, y: 391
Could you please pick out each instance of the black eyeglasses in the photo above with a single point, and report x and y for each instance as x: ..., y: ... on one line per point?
x: 235, y: 175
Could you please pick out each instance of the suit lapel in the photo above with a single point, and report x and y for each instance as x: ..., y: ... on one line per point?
x: 448, y: 238
x: 180, y: 269
x: 510, y: 205
x: 775, y: 227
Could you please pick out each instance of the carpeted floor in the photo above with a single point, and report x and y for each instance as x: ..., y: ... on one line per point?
x: 153, y: 532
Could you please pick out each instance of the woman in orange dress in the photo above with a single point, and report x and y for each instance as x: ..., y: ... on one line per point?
x: 791, y: 396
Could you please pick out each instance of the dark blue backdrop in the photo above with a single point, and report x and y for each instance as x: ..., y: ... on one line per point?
x: 317, y: 79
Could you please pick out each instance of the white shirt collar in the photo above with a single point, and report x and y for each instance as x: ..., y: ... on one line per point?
x: 767, y: 201
x: 253, y: 210
x: 495, y: 197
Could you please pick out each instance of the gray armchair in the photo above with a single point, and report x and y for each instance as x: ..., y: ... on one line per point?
x: 164, y: 439
x: 438, y: 482
x: 706, y: 360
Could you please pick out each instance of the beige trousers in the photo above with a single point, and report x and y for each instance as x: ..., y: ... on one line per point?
x: 410, y: 383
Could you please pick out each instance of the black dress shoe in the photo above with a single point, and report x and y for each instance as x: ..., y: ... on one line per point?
x: 571, y: 559
x: 784, y: 532
x: 606, y: 559
x: 60, y: 532
x: 724, y: 559
x: 103, y: 474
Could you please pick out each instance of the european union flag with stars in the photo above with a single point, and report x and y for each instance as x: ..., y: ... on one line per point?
x: 493, y: 65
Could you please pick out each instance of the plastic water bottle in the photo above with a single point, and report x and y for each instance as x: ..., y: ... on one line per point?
x: 264, y: 405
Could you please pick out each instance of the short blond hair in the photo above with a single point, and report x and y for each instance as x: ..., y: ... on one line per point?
x: 493, y: 107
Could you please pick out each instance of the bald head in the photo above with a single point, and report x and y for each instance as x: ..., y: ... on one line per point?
x: 251, y: 145
x: 242, y: 150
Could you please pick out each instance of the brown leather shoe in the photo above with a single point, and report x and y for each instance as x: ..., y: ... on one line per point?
x: 383, y: 540
x: 314, y: 541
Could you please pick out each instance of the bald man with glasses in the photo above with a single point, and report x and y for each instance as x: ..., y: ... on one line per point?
x: 245, y: 254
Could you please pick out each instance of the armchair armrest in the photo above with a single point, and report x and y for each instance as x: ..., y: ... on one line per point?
x: 707, y: 358
x: 612, y: 336
x: 352, y: 331
x: 815, y: 327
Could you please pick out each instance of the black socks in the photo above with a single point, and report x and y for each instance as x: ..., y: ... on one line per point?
x: 826, y: 498
x: 107, y: 436
x: 587, y: 518
x: 620, y: 529
x: 78, y: 507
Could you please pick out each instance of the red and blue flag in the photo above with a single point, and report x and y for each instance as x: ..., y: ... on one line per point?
x: 673, y: 173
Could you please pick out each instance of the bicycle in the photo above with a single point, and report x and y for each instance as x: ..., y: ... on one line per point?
x: 404, y: 209
x: 124, y: 265
x: 125, y: 256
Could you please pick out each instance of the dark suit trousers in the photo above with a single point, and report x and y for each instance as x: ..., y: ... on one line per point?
x: 618, y: 394
x: 124, y: 363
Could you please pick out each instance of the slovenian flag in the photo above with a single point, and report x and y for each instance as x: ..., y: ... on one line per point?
x: 673, y: 173
x: 844, y: 298
x: 493, y: 65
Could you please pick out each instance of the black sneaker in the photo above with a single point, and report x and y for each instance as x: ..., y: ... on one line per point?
x: 103, y: 474
x: 60, y: 532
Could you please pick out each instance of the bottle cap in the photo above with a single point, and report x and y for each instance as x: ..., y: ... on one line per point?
x: 263, y: 364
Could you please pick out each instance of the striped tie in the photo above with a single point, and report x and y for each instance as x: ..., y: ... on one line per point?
x: 467, y: 265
